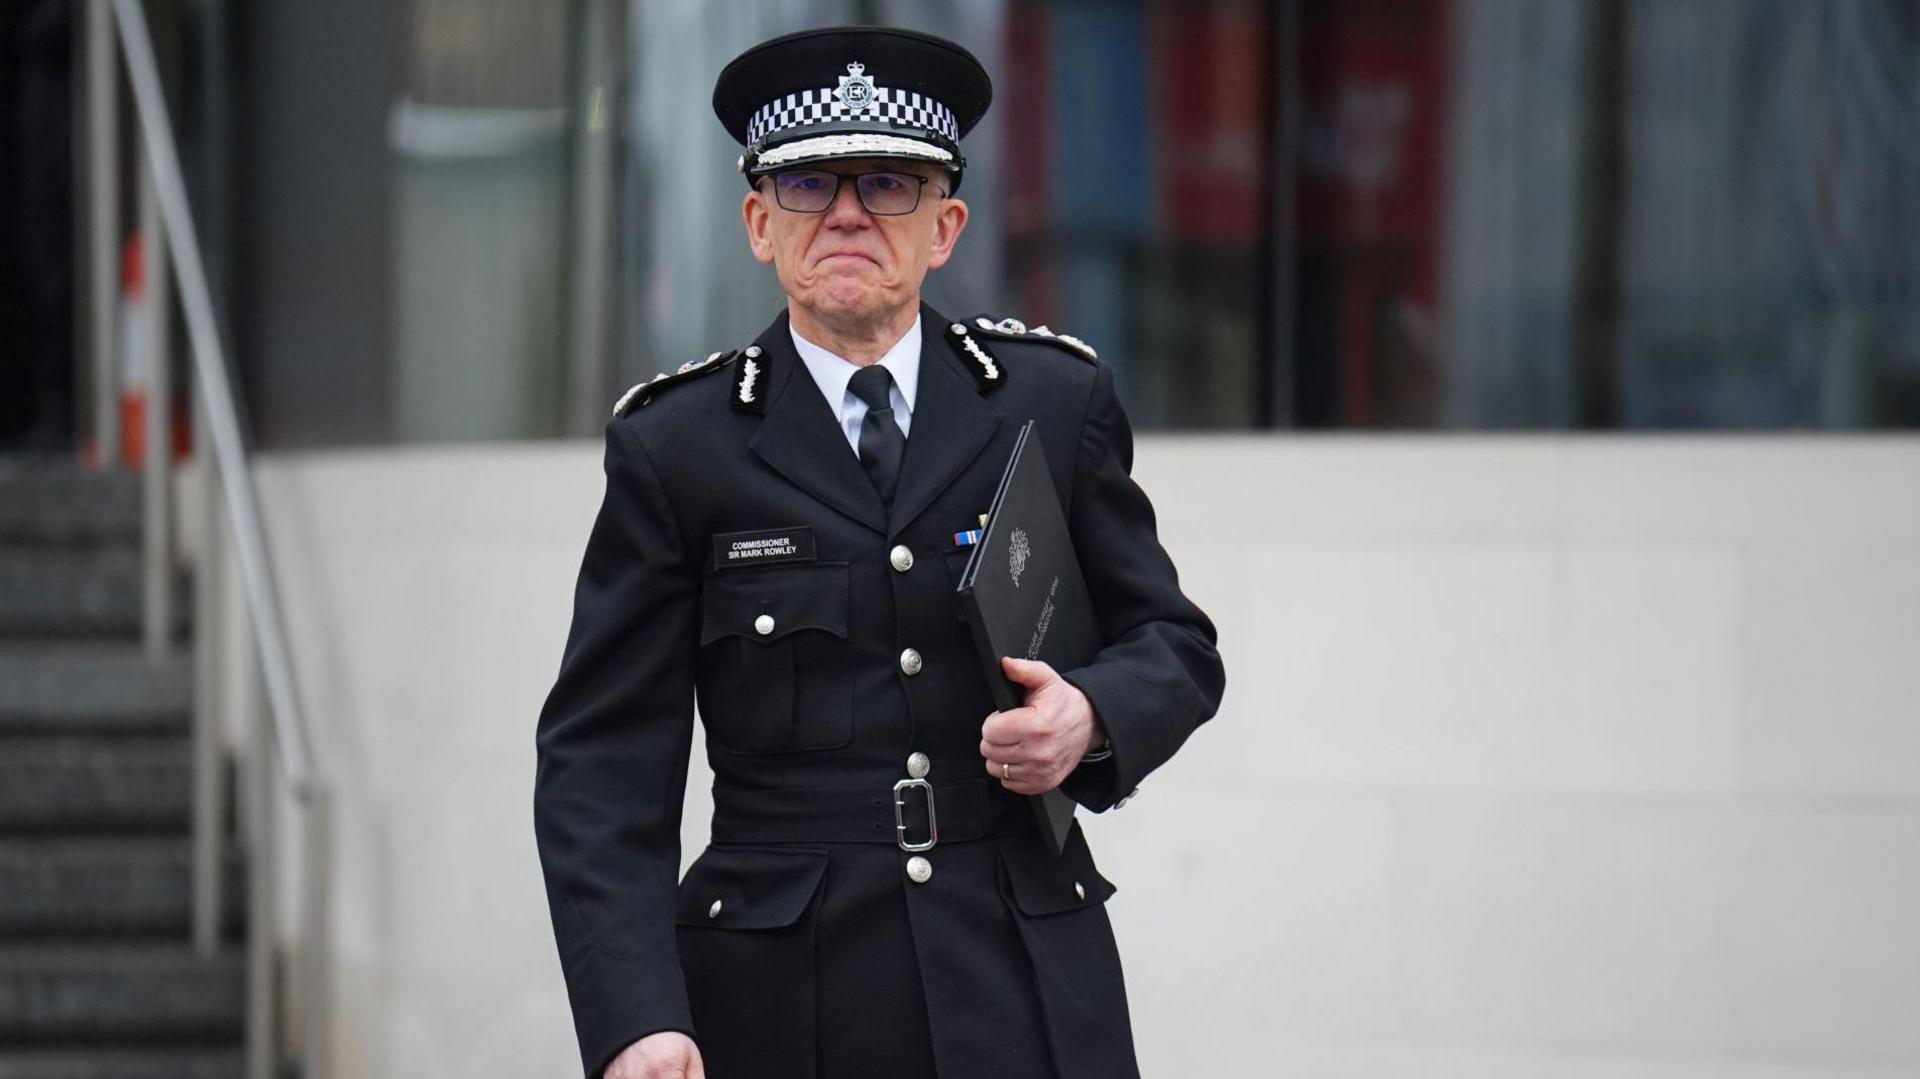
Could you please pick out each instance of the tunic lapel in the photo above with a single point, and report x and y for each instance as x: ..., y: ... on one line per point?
x: 801, y: 438
x: 952, y: 422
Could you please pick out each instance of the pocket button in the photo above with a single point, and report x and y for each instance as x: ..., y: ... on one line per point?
x: 763, y: 625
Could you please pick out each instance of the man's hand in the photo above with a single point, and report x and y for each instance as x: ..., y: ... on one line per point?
x: 1043, y: 740
x: 666, y: 1055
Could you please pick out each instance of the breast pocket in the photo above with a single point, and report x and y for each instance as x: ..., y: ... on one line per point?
x: 773, y: 670
x: 956, y: 559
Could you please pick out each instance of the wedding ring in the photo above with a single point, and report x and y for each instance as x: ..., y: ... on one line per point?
x: 1006, y: 770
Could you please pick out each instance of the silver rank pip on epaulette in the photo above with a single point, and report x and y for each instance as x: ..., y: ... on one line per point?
x: 749, y: 392
x: 1014, y: 329
x: 640, y: 392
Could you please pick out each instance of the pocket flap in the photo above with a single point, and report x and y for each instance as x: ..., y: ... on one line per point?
x: 811, y: 596
x: 1043, y: 884
x: 755, y: 887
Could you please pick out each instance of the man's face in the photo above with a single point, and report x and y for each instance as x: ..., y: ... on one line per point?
x: 848, y: 264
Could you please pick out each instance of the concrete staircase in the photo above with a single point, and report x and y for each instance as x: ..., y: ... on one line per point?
x: 98, y: 977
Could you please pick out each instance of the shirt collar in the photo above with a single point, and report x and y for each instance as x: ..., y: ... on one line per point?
x: 832, y: 373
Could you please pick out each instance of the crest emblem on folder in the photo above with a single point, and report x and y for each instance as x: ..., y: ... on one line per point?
x: 1017, y: 551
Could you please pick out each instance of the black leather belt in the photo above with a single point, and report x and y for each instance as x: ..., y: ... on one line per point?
x: 914, y: 813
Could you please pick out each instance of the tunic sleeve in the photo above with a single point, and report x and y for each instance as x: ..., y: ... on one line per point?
x: 612, y: 747
x: 1159, y: 675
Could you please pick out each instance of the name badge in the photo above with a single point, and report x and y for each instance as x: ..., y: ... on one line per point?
x: 763, y: 547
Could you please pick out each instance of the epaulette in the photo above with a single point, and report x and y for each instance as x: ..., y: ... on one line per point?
x: 749, y: 392
x: 639, y: 393
x: 984, y: 366
x: 1014, y: 329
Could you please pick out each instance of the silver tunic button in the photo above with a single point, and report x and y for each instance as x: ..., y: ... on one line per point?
x: 910, y: 662
x: 763, y: 625
x: 919, y: 870
x: 714, y: 911
x: 918, y: 765
x: 901, y: 558
x: 1079, y: 889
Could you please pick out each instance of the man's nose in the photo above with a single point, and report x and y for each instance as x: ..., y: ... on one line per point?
x: 846, y: 210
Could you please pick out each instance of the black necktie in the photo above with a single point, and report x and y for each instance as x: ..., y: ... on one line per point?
x: 882, y: 444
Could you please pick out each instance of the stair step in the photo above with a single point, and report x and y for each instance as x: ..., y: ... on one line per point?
x: 78, y: 592
x: 108, y: 885
x: 144, y: 1062
x: 47, y: 500
x: 94, y: 993
x: 141, y: 1062
x: 92, y: 685
x: 59, y: 783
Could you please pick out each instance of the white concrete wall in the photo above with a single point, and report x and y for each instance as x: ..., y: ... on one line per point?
x: 1568, y: 757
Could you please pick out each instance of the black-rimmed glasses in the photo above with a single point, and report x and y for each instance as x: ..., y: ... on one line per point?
x: 884, y: 194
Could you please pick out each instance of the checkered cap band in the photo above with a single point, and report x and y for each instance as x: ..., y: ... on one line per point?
x: 824, y: 106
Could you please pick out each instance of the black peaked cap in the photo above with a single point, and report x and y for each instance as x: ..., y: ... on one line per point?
x: 804, y: 92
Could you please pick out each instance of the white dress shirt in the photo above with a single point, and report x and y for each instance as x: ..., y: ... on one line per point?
x: 831, y: 374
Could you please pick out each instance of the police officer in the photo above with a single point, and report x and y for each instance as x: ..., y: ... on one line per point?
x: 778, y: 540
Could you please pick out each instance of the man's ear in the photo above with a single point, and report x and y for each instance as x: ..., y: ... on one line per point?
x: 754, y: 213
x: 948, y: 223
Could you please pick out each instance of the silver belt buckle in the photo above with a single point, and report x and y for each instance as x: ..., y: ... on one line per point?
x: 900, y: 816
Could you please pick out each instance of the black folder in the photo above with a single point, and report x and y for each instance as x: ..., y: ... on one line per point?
x: 1022, y: 595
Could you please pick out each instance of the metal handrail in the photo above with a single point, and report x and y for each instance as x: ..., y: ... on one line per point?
x: 210, y: 371
x: 168, y: 226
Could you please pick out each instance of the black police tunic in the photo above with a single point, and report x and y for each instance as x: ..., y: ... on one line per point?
x: 742, y: 557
